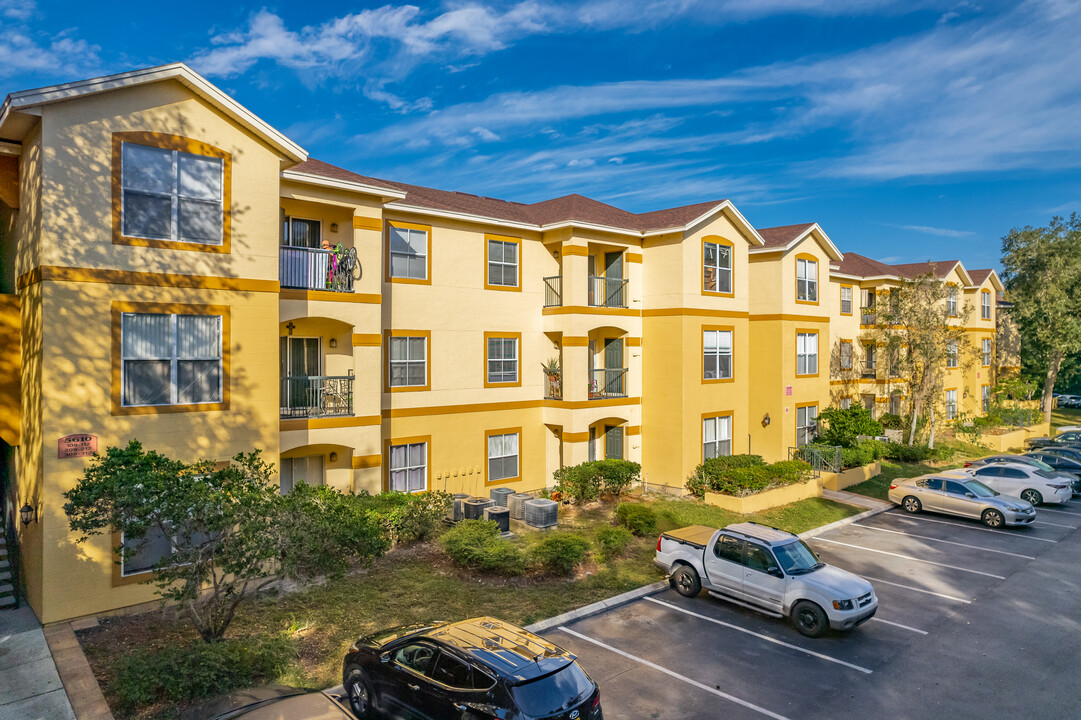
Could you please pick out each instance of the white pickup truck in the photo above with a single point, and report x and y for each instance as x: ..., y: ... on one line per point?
x: 768, y: 570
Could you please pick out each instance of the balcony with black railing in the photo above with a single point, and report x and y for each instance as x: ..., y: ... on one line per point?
x: 867, y: 316
x: 607, y: 383
x: 316, y: 269
x: 869, y: 371
x: 553, y: 291
x: 607, y: 292
x: 311, y: 396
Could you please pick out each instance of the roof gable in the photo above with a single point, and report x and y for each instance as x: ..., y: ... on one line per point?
x: 786, y: 237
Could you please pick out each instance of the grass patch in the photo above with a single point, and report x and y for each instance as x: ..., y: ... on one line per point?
x: 878, y: 486
x: 420, y: 583
x: 1064, y: 416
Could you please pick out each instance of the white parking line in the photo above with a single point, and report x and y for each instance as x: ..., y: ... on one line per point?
x: 948, y: 542
x: 917, y: 519
x: 909, y: 557
x: 916, y: 589
x: 666, y: 671
x: 759, y: 635
x: 899, y: 625
x: 1044, y: 522
x: 1060, y: 512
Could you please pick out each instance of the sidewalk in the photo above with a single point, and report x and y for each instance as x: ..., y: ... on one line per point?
x: 854, y: 499
x: 30, y: 687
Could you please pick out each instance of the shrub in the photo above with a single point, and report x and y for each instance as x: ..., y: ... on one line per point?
x: 409, y: 517
x: 476, y: 544
x: 862, y: 454
x: 613, y: 541
x: 890, y: 421
x: 639, y: 519
x: 841, y: 427
x: 184, y: 673
x: 747, y: 479
x: 581, y: 483
x: 617, y: 475
x: 908, y: 453
x: 559, y: 552
x: 709, y: 473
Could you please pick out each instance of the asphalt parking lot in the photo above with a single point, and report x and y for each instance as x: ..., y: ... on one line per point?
x: 972, y: 623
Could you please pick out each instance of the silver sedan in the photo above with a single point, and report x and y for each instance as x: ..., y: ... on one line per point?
x: 955, y: 493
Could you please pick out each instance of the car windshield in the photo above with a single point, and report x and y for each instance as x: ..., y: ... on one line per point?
x: 796, y: 558
x: 1040, y: 464
x: 1052, y: 475
x: 979, y: 489
x: 552, y: 693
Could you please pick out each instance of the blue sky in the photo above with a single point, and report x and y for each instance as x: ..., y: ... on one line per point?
x: 910, y: 129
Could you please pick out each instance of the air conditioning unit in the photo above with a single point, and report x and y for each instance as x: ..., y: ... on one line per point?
x: 500, y: 515
x: 516, y: 503
x: 541, y: 513
x: 473, y: 508
x: 500, y: 495
x: 455, y: 514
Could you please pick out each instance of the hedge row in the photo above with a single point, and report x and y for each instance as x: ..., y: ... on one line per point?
x: 587, y: 481
x: 741, y: 475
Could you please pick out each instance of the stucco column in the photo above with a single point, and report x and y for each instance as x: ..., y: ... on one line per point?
x: 575, y: 269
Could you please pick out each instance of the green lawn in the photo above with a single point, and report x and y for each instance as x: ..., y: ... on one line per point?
x: 1064, y: 416
x: 420, y: 584
x: 879, y: 485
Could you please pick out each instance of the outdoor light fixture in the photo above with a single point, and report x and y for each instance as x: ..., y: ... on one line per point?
x: 334, y: 457
x: 765, y: 421
x: 28, y: 514
x: 334, y: 227
x: 334, y: 342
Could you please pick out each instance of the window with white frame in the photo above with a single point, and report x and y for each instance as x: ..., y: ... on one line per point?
x: 502, y: 263
x: 408, y: 361
x: 951, y: 300
x: 170, y: 359
x: 985, y: 397
x: 846, y: 355
x: 408, y: 467
x: 807, y: 353
x: 846, y: 300
x: 308, y: 469
x: 951, y: 404
x: 502, y: 457
x: 986, y: 352
x: 845, y: 403
x: 985, y: 305
x: 171, y: 195
x: 807, y: 280
x: 502, y: 360
x: 716, y: 268
x: 806, y: 424
x: 408, y: 253
x: 716, y: 354
x: 716, y: 437
x: 951, y: 354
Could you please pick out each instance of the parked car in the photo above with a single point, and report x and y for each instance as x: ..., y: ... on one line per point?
x: 1068, y: 438
x: 768, y: 570
x: 1023, y: 481
x: 276, y: 702
x: 1063, y: 475
x: 480, y: 669
x: 955, y: 492
x: 1060, y: 463
x: 1065, y: 451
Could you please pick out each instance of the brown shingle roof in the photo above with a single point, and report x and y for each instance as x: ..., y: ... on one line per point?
x: 978, y: 276
x: 938, y: 268
x: 562, y: 209
x: 862, y: 266
x: 777, y: 237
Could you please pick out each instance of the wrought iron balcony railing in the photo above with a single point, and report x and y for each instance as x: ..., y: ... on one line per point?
x: 607, y: 383
x: 316, y: 396
x: 553, y: 385
x: 607, y: 292
x: 553, y: 291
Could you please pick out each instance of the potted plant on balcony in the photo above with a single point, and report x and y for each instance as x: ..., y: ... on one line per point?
x: 553, y: 371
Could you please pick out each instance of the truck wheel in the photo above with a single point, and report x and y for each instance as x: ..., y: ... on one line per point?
x: 686, y: 581
x: 810, y: 619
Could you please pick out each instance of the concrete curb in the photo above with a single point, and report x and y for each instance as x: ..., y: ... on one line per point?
x: 598, y: 607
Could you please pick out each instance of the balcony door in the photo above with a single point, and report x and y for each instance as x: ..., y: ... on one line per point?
x: 302, y: 233
x: 299, y: 360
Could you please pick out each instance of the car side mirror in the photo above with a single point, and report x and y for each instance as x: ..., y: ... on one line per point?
x: 970, y: 495
x: 384, y: 658
x: 775, y: 572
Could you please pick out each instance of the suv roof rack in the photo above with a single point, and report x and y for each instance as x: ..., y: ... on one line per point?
x: 764, y: 533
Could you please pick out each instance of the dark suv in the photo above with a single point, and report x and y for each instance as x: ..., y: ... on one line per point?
x: 476, y: 669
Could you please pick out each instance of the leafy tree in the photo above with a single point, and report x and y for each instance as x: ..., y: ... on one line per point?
x: 231, y: 532
x: 918, y: 334
x: 1042, y: 274
x: 841, y: 427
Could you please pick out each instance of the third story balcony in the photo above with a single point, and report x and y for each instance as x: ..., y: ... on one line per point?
x: 607, y: 383
x: 607, y: 292
x: 317, y: 396
x: 307, y: 268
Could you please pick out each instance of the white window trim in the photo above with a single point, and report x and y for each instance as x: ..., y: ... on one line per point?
x: 391, y: 469
x: 503, y: 263
x: 489, y: 360
x: 810, y: 286
x: 173, y: 363
x: 391, y: 361
x: 951, y: 404
x: 806, y: 355
x: 719, y: 353
x: 175, y: 196
x: 985, y: 305
x: 718, y: 440
x: 424, y: 255
x: 844, y: 300
x: 951, y: 355
x: 516, y: 455
x: 985, y: 352
x: 717, y: 267
x: 806, y: 427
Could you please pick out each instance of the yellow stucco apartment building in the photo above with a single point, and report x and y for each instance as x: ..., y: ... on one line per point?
x: 176, y: 270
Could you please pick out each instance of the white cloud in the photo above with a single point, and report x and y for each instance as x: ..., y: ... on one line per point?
x: 941, y: 232
x: 17, y: 9
x: 22, y: 52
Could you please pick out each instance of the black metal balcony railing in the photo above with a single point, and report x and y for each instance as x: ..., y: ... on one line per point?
x: 553, y: 291
x: 317, y: 396
x: 553, y: 385
x: 607, y: 292
x: 316, y: 269
x: 607, y: 383
x: 869, y: 370
x: 867, y: 316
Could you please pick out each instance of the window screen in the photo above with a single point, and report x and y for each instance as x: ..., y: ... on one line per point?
x: 171, y: 195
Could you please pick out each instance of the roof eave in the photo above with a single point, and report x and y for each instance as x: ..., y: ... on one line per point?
x: 466, y: 217
x: 385, y: 194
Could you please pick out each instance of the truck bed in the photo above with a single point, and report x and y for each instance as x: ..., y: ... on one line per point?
x: 695, y: 535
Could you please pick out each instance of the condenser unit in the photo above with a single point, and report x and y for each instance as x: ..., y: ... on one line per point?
x: 541, y: 513
x: 455, y: 514
x: 516, y: 503
x: 473, y: 508
x: 500, y: 495
x: 500, y: 515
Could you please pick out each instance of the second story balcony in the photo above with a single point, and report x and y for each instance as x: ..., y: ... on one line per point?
x: 315, y: 396
x: 553, y: 385
x: 607, y: 292
x: 316, y: 269
x: 553, y: 291
x: 867, y: 316
x: 869, y: 371
x: 607, y: 383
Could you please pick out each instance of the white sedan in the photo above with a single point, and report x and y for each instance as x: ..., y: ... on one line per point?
x: 1024, y: 481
